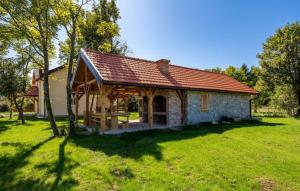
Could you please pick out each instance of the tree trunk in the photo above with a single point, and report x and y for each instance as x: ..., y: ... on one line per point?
x: 10, y: 108
x: 20, y: 109
x: 298, y: 109
x: 69, y: 88
x: 21, y: 114
x: 51, y: 117
x: 69, y: 106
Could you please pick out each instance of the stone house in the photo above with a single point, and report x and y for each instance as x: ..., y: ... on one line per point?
x: 169, y: 95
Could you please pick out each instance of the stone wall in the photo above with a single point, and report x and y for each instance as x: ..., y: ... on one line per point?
x: 174, y: 108
x: 220, y: 104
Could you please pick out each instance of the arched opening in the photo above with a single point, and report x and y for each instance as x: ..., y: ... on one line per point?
x: 159, y: 104
x: 160, y: 110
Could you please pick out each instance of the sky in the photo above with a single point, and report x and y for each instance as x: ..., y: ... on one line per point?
x: 203, y: 33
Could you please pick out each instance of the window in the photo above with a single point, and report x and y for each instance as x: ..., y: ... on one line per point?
x: 204, y: 102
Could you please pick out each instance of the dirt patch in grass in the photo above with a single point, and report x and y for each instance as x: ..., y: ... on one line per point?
x: 122, y: 172
x: 267, y: 184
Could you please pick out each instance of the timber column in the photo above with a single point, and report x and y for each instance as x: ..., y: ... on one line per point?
x: 103, y: 93
x: 76, y: 106
x: 150, y: 93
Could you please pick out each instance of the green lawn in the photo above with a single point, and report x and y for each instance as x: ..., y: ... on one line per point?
x: 242, y: 156
x: 132, y: 116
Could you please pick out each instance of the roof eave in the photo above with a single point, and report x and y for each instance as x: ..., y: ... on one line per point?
x: 175, y: 87
x: 83, y: 55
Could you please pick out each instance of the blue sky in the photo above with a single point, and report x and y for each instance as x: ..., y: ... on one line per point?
x: 203, y: 33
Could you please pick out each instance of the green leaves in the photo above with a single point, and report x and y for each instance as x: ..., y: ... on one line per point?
x: 100, y: 30
x: 281, y: 55
x: 280, y: 63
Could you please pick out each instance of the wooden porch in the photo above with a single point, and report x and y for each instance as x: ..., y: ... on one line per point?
x: 102, y: 111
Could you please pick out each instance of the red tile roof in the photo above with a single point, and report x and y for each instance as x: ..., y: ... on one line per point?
x: 127, y: 70
x: 33, y: 91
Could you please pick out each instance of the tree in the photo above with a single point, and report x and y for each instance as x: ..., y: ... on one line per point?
x: 35, y: 22
x: 13, y: 81
x: 236, y: 73
x: 70, y: 15
x: 284, y: 101
x: 100, y: 31
x: 253, y: 76
x: 216, y: 70
x: 280, y: 59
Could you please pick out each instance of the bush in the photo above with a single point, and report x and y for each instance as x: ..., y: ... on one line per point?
x: 227, y: 119
x: 4, y: 108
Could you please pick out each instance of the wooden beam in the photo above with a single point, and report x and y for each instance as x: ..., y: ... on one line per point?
x: 102, y: 111
x: 126, y: 103
x: 80, y: 96
x: 150, y: 93
x: 76, y: 107
x: 91, y: 108
x: 87, y: 100
x: 150, y: 111
x: 86, y: 83
x: 182, y: 94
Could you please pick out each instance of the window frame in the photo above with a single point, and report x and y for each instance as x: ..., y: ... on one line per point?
x: 202, y: 104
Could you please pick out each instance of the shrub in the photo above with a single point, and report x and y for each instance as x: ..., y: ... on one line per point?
x: 4, y: 108
x: 227, y: 119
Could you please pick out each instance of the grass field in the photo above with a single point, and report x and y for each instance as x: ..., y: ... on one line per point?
x: 241, y: 156
x: 132, y: 116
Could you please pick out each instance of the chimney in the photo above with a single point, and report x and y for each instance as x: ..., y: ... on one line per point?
x: 163, y: 65
x: 33, y: 78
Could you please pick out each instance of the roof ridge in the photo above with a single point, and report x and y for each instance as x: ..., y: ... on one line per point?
x: 141, y: 59
x: 197, y: 69
x: 118, y: 55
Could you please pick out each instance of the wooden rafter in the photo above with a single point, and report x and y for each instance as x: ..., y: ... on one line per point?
x: 86, y: 83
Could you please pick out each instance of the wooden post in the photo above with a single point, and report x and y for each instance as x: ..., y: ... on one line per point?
x: 111, y: 101
x: 150, y: 111
x: 87, y: 100
x: 103, y: 114
x: 126, y: 104
x: 150, y: 93
x: 102, y: 110
x: 76, y: 107
x: 182, y: 94
x: 86, y: 88
x: 250, y: 108
x: 91, y: 108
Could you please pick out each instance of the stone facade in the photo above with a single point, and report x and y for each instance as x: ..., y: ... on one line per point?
x: 219, y: 104
x: 174, y: 108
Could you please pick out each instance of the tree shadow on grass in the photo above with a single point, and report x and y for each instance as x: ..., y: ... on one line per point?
x: 138, y: 144
x: 10, y: 166
x: 4, y: 125
x: 57, y: 119
x: 63, y: 166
